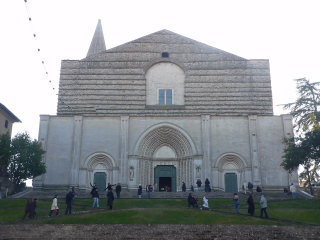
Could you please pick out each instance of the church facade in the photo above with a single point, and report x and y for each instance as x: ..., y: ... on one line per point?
x: 160, y: 110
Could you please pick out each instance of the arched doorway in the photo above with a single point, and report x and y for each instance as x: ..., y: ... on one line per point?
x: 99, y: 170
x: 165, y: 145
x: 231, y: 169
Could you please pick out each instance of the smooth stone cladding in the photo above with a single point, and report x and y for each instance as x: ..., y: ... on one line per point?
x: 109, y: 119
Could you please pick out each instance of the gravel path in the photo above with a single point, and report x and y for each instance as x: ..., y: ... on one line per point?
x: 163, y: 231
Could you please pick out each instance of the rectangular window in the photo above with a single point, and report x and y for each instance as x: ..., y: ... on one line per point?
x: 165, y: 96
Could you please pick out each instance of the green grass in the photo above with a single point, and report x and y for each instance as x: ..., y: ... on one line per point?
x: 163, y: 211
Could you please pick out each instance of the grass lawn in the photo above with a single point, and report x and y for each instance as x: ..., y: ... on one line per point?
x: 163, y: 211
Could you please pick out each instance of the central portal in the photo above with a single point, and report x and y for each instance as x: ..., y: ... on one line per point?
x: 165, y: 178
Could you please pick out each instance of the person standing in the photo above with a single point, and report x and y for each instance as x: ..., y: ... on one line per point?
x: 139, y: 191
x: 184, y: 188
x: 263, y: 206
x: 54, y: 206
x: 250, y: 202
x: 192, y: 188
x: 236, y: 202
x: 207, y: 185
x: 95, y: 196
x: 148, y: 190
x: 293, y: 191
x: 28, y: 208
x: 118, y: 190
x: 199, y: 183
x: 110, y: 198
x: 69, y: 198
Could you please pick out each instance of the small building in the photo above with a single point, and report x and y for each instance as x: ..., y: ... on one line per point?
x: 7, y: 118
x: 160, y: 110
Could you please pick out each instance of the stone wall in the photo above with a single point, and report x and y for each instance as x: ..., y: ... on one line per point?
x: 114, y: 82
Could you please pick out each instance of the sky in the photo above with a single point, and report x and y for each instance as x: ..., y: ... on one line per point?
x: 284, y: 31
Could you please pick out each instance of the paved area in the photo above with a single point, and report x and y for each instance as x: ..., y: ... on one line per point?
x: 131, y: 232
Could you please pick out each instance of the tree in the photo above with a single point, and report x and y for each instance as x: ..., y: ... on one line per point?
x: 25, y: 159
x: 306, y: 105
x: 304, y: 149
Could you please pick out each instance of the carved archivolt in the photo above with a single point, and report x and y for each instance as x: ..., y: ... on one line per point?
x: 99, y: 159
x: 230, y: 161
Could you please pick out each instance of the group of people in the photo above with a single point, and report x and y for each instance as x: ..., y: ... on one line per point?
x: 30, y: 209
x: 192, y: 201
x: 110, y: 197
x: 207, y: 187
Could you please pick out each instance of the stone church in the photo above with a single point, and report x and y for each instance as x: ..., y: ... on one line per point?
x: 160, y: 110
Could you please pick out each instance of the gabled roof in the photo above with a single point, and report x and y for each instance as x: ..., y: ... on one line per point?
x: 167, y: 37
x: 15, y: 119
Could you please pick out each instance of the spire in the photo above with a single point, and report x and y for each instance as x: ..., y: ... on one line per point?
x: 97, y: 44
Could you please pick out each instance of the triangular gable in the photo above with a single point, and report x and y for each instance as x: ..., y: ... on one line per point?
x: 165, y: 37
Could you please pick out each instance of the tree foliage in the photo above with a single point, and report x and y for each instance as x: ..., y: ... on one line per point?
x: 304, y: 150
x: 306, y: 105
x: 22, y: 158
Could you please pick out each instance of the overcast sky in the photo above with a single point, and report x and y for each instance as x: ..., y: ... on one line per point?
x: 284, y: 31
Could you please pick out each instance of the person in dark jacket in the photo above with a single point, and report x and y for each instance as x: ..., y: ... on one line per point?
x: 28, y: 208
x: 192, y: 188
x: 199, y: 183
x: 140, y: 191
x: 110, y: 198
x: 184, y: 187
x: 69, y: 198
x: 192, y: 201
x: 207, y: 185
x: 33, y: 208
x: 250, y: 202
x: 118, y: 190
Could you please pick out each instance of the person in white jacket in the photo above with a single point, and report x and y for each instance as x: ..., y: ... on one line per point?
x: 54, y: 206
x: 205, y: 204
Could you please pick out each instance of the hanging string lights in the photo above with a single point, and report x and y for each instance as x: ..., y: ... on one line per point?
x: 38, y: 49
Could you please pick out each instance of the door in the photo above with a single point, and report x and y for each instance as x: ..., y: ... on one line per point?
x: 100, y: 179
x: 231, y: 183
x: 165, y: 178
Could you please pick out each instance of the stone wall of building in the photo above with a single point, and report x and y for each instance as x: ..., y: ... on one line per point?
x: 113, y: 83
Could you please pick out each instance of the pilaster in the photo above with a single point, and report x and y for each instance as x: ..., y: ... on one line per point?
x: 124, y: 135
x: 205, y: 134
x: 76, y: 149
x: 255, y: 163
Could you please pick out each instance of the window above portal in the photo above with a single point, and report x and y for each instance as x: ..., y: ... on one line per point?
x: 165, y: 96
x: 165, y: 84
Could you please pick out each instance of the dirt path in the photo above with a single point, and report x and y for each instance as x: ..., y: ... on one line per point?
x: 130, y: 232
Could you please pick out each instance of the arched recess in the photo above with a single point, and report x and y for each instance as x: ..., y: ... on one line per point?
x: 165, y: 134
x: 99, y: 163
x: 169, y: 145
x: 230, y: 164
x: 165, y: 76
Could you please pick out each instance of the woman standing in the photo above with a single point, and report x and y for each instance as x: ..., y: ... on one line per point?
x: 250, y: 205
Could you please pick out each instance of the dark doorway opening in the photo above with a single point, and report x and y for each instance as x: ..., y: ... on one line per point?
x: 165, y: 184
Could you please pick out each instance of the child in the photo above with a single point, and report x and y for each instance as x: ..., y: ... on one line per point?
x: 205, y: 204
x: 54, y: 206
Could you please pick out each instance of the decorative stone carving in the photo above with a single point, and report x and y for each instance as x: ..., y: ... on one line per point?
x: 198, y: 169
x: 131, y: 173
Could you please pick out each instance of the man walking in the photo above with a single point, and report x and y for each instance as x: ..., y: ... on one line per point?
x: 69, y: 198
x: 263, y: 206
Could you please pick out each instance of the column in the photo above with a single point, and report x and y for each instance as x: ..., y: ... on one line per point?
x: 124, y: 166
x: 206, y: 143
x: 255, y: 163
x: 76, y: 148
